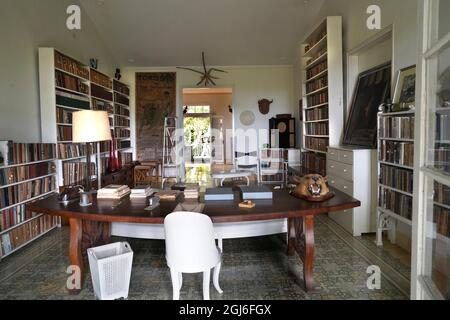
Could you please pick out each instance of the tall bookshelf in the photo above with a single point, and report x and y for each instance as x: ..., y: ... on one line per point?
x: 322, y: 87
x: 28, y: 173
x: 122, y: 132
x: 395, y: 171
x: 68, y: 85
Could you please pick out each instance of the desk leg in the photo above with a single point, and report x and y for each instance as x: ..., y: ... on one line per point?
x: 76, y: 259
x: 301, y: 240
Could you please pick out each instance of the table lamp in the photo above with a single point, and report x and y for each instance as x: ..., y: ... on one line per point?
x: 89, y: 126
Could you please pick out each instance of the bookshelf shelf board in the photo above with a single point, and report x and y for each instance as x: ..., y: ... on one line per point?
x: 396, y: 165
x: 73, y: 158
x: 316, y: 91
x: 443, y: 141
x: 72, y: 74
x: 65, y: 141
x: 64, y: 124
x: 316, y: 136
x: 122, y: 94
x: 28, y: 200
x: 315, y: 48
x: 119, y: 115
x: 124, y: 149
x: 443, y: 238
x: 317, y: 106
x: 122, y: 138
x: 396, y: 114
x: 324, y: 72
x: 28, y: 180
x: 396, y: 216
x: 398, y: 139
x: 101, y: 99
x: 102, y: 86
x: 123, y: 127
x: 316, y: 121
x: 443, y: 110
x: 26, y: 163
x: 72, y: 91
x: 396, y: 190
x: 70, y: 108
x: 29, y: 241
x: 442, y: 205
x: 122, y: 105
x: 316, y: 61
x: 313, y: 150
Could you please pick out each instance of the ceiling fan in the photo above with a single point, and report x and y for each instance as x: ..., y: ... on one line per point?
x: 207, y: 77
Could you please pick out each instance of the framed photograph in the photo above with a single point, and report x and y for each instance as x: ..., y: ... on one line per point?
x: 372, y: 89
x: 405, y: 90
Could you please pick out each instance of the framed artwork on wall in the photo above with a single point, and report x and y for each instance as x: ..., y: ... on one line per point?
x: 405, y: 90
x: 372, y: 89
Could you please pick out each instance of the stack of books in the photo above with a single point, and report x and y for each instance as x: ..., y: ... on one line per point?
x: 141, y: 192
x: 191, y: 191
x: 168, y: 194
x: 256, y: 192
x: 218, y: 194
x: 113, y: 191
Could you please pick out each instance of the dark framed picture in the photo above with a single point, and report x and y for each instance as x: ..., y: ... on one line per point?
x: 300, y: 108
x: 372, y: 89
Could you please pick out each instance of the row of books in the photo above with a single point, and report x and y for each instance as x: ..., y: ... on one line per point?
x: 64, y: 133
x: 317, y: 114
x: 25, y: 191
x: 69, y: 82
x: 317, y: 84
x: 318, y: 128
x: 396, y: 127
x: 401, y: 153
x: 63, y: 116
x: 74, y: 172
x: 17, y: 153
x: 70, y: 150
x: 11, y: 217
x: 318, y: 98
x: 102, y: 106
x: 120, y: 87
x: 314, y: 71
x: 314, y: 162
x: 25, y: 233
x: 441, y: 218
x: 125, y: 157
x: 122, y: 110
x: 397, y: 178
x: 319, y: 144
x: 101, y: 79
x: 121, y: 121
x: 442, y: 193
x: 100, y: 92
x: 443, y: 127
x: 442, y: 156
x: 68, y: 64
x: 113, y: 191
x: 121, y: 133
x: 67, y: 99
x: 26, y: 172
x: 396, y: 202
x: 121, y: 99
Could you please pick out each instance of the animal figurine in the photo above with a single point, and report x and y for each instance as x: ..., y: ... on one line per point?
x: 312, y: 187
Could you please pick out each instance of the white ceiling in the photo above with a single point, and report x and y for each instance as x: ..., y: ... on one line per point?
x: 175, y: 32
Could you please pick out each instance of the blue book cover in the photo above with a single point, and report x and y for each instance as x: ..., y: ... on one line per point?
x: 219, y: 194
x: 256, y: 192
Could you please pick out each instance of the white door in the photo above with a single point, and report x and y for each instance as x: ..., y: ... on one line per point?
x: 430, y: 269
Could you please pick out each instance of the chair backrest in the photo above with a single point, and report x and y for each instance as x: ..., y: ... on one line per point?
x: 246, y: 160
x: 190, y: 242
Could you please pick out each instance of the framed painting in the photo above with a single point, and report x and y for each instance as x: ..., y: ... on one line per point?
x: 372, y: 89
x: 405, y: 90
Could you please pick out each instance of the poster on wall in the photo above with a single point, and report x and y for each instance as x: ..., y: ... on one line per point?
x: 155, y: 99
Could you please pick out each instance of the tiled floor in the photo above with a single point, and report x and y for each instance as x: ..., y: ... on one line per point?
x: 253, y: 268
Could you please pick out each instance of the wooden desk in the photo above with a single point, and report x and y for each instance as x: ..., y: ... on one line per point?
x: 91, y: 226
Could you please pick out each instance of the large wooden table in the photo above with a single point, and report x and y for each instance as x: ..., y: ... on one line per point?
x: 91, y: 226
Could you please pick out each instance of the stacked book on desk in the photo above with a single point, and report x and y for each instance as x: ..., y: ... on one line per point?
x: 141, y: 192
x: 191, y: 191
x: 113, y: 191
x: 168, y: 194
x: 256, y: 192
x: 218, y: 194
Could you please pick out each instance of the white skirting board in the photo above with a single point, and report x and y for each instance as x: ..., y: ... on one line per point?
x: 230, y: 230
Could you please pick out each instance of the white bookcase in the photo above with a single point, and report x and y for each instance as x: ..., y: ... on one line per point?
x: 121, y: 115
x: 322, y: 87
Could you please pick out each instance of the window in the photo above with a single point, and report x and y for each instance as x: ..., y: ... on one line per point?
x: 197, y: 109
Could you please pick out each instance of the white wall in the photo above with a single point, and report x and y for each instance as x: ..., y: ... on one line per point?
x: 249, y: 84
x: 26, y: 25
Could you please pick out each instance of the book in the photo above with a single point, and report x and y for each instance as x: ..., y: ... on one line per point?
x: 113, y: 191
x: 256, y: 192
x: 141, y: 192
x: 217, y: 194
x: 168, y: 194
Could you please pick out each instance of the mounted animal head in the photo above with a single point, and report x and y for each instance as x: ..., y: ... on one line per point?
x: 312, y: 185
x: 264, y: 106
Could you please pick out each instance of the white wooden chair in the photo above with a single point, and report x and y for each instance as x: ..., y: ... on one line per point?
x: 247, y: 161
x: 272, y: 165
x: 191, y: 248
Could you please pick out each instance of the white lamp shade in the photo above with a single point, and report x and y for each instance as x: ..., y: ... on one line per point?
x: 90, y: 126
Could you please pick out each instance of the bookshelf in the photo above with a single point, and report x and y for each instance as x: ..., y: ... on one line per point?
x: 66, y: 86
x: 322, y: 87
x: 395, y: 171
x: 27, y: 173
x: 122, y: 131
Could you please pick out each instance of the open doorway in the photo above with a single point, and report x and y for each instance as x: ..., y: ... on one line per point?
x: 207, y: 120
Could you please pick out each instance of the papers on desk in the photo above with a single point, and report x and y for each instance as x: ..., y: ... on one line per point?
x: 113, y: 191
